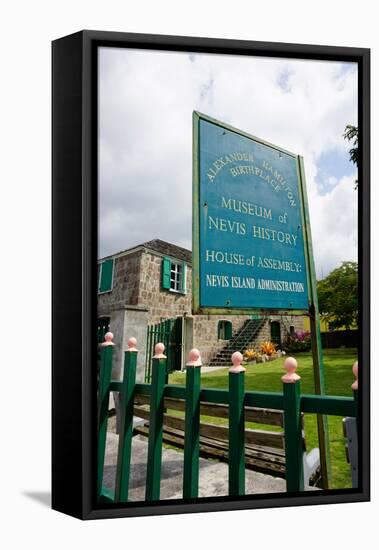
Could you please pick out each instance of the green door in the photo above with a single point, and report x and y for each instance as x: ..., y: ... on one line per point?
x: 275, y: 333
x: 102, y: 328
x: 170, y: 332
x: 174, y: 356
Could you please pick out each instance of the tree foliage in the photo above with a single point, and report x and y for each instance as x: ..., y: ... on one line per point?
x: 338, y: 296
x: 351, y: 134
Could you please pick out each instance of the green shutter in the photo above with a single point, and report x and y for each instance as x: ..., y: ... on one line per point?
x: 166, y: 272
x: 224, y: 330
x: 99, y: 271
x: 106, y: 276
x: 184, y: 278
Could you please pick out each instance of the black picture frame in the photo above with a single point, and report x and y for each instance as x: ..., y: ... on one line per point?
x: 74, y: 206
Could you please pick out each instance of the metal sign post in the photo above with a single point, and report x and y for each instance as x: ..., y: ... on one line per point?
x: 318, y: 364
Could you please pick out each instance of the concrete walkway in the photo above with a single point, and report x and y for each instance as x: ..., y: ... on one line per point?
x: 213, y: 474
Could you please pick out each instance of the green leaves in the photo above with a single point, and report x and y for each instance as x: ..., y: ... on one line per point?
x: 338, y: 296
x: 351, y: 134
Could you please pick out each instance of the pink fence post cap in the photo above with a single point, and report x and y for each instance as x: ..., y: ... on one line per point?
x: 237, y: 359
x: 108, y: 337
x: 159, y: 349
x: 132, y: 344
x: 194, y: 359
x: 354, y: 385
x: 290, y: 365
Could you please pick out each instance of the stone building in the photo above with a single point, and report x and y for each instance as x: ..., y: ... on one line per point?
x: 145, y: 286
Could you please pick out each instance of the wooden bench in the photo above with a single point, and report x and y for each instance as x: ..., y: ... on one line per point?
x: 349, y: 425
x: 264, y: 449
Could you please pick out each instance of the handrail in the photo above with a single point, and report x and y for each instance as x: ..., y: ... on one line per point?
x: 244, y: 329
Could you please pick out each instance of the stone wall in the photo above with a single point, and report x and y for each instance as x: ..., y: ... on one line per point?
x: 126, y: 281
x: 205, y: 333
x: 137, y: 282
x: 162, y: 303
x: 285, y: 322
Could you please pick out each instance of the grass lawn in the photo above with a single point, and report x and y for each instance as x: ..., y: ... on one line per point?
x: 267, y: 377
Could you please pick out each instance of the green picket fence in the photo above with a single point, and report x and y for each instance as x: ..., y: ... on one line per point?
x: 168, y: 332
x: 160, y: 332
x: 291, y: 401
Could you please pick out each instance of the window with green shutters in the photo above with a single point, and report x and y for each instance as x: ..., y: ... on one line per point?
x: 166, y: 273
x: 106, y: 276
x: 225, y: 330
x: 174, y: 275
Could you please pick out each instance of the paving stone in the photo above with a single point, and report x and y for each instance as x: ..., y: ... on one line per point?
x: 213, y: 476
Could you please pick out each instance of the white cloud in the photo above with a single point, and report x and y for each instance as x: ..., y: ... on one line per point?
x: 146, y: 104
x: 334, y: 225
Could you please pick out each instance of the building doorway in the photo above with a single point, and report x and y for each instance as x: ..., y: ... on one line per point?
x: 275, y: 333
x: 102, y: 328
x: 170, y: 333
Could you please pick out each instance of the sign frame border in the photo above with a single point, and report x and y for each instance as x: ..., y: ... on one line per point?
x: 312, y: 310
x: 197, y: 309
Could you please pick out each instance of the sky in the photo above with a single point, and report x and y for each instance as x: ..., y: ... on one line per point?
x: 146, y: 100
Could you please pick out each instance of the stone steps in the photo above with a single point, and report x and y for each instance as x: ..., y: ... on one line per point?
x: 243, y: 340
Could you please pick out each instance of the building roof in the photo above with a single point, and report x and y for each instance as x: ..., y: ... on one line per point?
x: 169, y: 249
x: 162, y: 247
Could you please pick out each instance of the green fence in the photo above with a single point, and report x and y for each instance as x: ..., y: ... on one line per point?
x: 169, y: 332
x: 291, y: 401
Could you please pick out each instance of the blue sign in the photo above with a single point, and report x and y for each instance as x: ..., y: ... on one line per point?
x: 248, y: 222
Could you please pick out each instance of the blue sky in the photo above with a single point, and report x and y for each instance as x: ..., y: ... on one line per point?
x: 146, y: 101
x: 332, y: 165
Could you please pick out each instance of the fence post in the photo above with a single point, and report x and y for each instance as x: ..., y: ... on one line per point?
x: 292, y: 427
x: 147, y: 360
x: 236, y: 426
x: 103, y: 404
x: 352, y: 429
x: 126, y: 422
x: 192, y: 426
x: 154, y: 453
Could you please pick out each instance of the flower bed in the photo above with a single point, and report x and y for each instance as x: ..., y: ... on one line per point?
x: 267, y: 351
x: 297, y: 342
